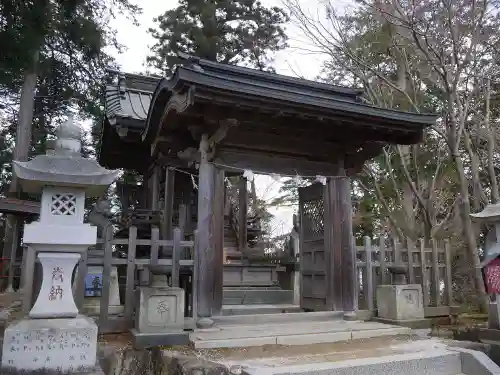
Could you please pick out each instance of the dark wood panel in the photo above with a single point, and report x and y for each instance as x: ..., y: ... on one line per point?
x: 313, y: 255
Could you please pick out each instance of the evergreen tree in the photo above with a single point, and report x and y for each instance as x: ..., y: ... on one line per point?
x: 63, y: 42
x: 229, y: 31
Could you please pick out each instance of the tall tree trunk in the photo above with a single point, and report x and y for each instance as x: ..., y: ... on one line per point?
x: 477, y: 190
x: 25, y: 125
x: 491, y: 146
x: 21, y: 152
x: 469, y: 235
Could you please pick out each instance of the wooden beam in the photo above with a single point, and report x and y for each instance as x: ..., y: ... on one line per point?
x: 269, y: 163
x: 218, y: 240
x: 242, y: 212
x: 289, y: 144
x: 204, y: 251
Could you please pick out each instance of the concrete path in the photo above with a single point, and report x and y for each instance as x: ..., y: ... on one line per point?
x: 340, y: 357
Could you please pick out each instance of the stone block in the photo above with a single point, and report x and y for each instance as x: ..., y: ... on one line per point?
x: 175, y: 363
x: 64, y: 345
x: 400, y: 302
x: 159, y: 309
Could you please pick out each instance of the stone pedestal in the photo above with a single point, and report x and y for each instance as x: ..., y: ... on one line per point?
x: 159, y: 317
x: 92, y: 304
x: 400, y: 302
x: 62, y: 345
x: 55, y: 299
x: 160, y: 309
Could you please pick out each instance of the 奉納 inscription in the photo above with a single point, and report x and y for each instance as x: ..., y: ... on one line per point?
x: 56, y: 289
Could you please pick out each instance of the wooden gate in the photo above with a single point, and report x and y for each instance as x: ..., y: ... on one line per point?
x: 314, y: 260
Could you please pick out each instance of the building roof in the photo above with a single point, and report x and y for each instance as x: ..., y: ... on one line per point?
x: 129, y: 99
x: 206, y: 91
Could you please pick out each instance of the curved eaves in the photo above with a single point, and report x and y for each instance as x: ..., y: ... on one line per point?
x: 161, y: 96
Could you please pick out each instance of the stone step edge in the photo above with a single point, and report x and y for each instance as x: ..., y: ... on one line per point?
x: 432, y: 362
x: 251, y: 307
x: 283, y: 317
x: 298, y: 339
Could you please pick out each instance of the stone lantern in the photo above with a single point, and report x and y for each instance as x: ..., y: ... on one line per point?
x: 55, y: 337
x: 491, y: 261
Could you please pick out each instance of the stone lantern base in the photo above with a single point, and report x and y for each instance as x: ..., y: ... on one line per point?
x: 65, y: 345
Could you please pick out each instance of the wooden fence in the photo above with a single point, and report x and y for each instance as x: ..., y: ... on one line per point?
x: 177, y: 254
x: 430, y: 267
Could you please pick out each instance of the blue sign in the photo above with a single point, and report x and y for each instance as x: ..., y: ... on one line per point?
x: 93, y: 285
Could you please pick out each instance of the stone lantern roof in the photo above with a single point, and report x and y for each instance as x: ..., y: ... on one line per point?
x: 65, y: 166
x: 490, y: 215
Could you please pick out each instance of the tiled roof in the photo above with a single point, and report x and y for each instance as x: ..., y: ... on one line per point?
x: 130, y: 98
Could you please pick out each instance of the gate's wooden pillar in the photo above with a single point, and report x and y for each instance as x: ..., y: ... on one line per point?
x: 218, y: 240
x: 344, y: 254
x: 154, y: 187
x: 205, y: 254
x: 168, y: 204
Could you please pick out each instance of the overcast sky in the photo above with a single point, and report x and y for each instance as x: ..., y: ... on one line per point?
x: 292, y: 61
x: 138, y: 41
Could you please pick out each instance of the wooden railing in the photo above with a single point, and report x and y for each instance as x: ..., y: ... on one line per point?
x: 428, y: 266
x: 177, y: 254
x: 253, y: 218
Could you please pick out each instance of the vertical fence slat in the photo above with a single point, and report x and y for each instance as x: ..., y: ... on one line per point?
x: 383, y: 263
x: 80, y: 280
x: 130, y: 280
x: 13, y: 255
x: 397, y: 259
x: 175, y: 257
x: 368, y: 284
x: 106, y: 277
x: 425, y: 276
x: 155, y: 236
x: 436, y: 280
x: 28, y: 278
x: 410, y: 245
x: 182, y: 219
x: 448, y: 279
x: 194, y: 278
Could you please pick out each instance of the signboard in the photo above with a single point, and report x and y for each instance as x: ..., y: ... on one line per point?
x: 93, y: 282
x: 492, y: 276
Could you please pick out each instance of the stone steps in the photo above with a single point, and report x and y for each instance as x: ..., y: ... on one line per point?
x: 256, y: 295
x: 317, y: 316
x: 259, y: 309
x: 290, y: 333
